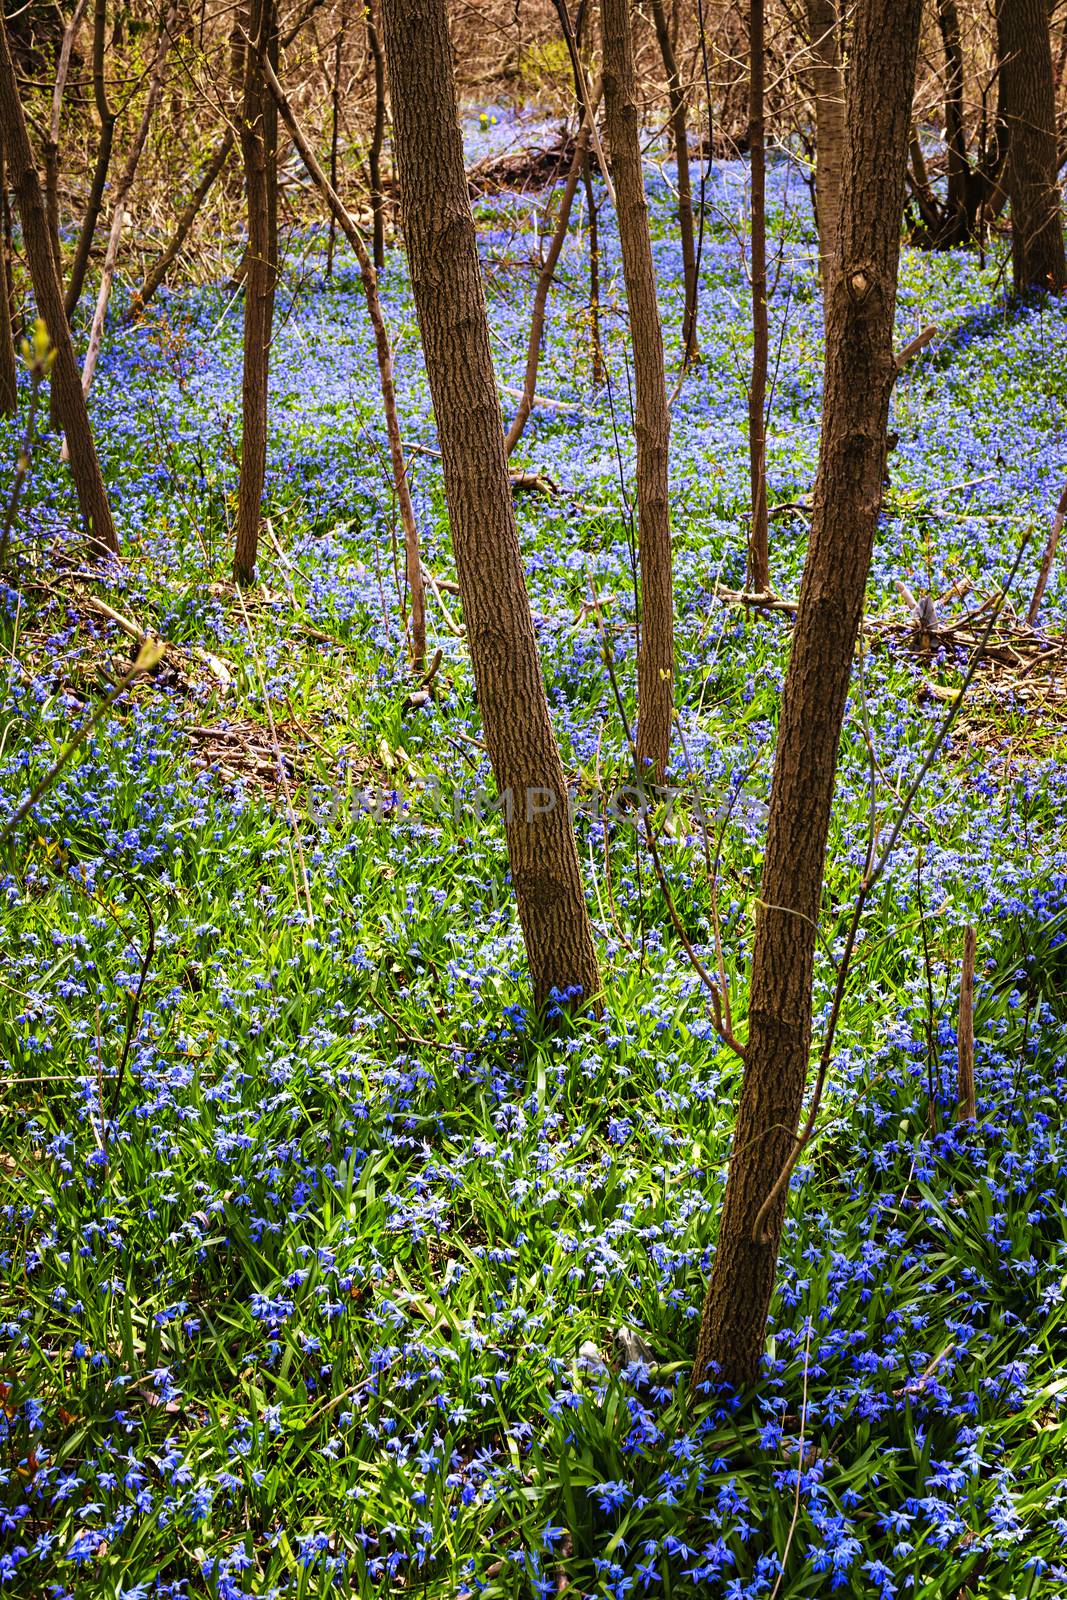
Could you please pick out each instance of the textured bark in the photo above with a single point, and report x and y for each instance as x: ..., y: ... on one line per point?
x: 259, y: 147
x: 66, y: 382
x: 384, y: 356
x: 680, y: 140
x: 828, y: 91
x: 449, y: 298
x: 51, y: 147
x: 859, y: 375
x: 595, y: 343
x: 121, y: 196
x: 1031, y: 178
x: 759, y: 568
x: 544, y: 283
x: 955, y: 135
x: 158, y: 271
x: 335, y: 130
x: 655, y: 661
x: 9, y: 397
x: 106, y: 116
x: 374, y: 154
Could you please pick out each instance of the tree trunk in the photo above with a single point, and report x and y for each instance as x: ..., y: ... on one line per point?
x: 680, y: 139
x: 335, y: 131
x: 1024, y: 48
x: 66, y: 381
x: 374, y: 154
x: 955, y: 134
x: 859, y: 375
x: 449, y: 298
x: 163, y: 262
x: 828, y: 90
x: 655, y: 662
x: 51, y: 147
x: 259, y: 146
x: 9, y: 389
x: 544, y: 283
x: 83, y: 248
x: 759, y: 564
x: 121, y: 196
x: 384, y: 356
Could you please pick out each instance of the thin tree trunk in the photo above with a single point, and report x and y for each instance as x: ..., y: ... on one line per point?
x: 66, y: 383
x: 374, y: 154
x: 596, y: 346
x: 955, y: 134
x: 655, y: 662
x: 259, y: 145
x: 759, y: 561
x: 51, y: 148
x: 9, y: 389
x: 84, y: 246
x: 544, y: 283
x: 384, y: 355
x: 828, y: 90
x: 163, y: 262
x: 450, y: 301
x: 1031, y: 178
x: 680, y: 139
x: 120, y: 198
x: 335, y: 129
x: 859, y: 377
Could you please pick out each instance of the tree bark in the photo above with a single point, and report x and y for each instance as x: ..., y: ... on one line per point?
x: 9, y: 389
x: 384, y: 356
x: 859, y: 374
x: 51, y: 148
x: 544, y: 283
x: 335, y: 130
x: 374, y: 154
x: 121, y: 196
x: 680, y: 140
x: 828, y: 91
x: 259, y: 146
x: 759, y: 565
x: 163, y: 262
x: 1031, y: 178
x: 106, y: 116
x: 66, y: 381
x: 655, y: 662
x: 449, y: 299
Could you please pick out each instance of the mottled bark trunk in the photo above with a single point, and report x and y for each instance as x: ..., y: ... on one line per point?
x: 66, y: 381
x: 680, y: 140
x: 655, y: 661
x: 1031, y: 177
x: 859, y: 375
x: 449, y: 298
x: 259, y: 147
x: 828, y: 92
x: 759, y: 561
x: 182, y: 227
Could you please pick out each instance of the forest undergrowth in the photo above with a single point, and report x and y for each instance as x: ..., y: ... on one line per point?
x: 327, y: 1268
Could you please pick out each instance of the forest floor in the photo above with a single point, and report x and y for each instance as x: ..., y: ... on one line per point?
x: 316, y: 1247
